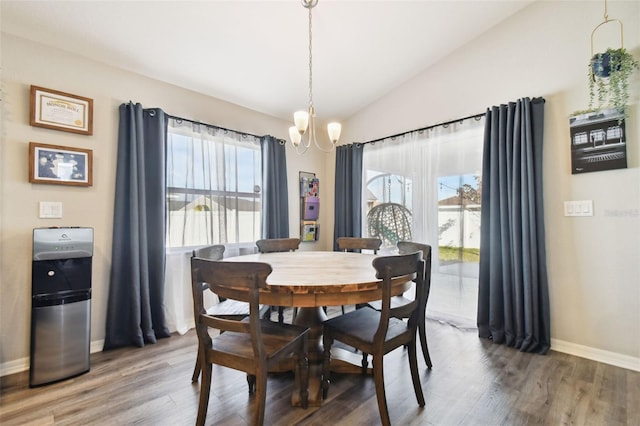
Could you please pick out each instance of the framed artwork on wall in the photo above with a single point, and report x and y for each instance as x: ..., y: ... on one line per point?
x: 60, y: 165
x: 598, y: 141
x: 57, y: 110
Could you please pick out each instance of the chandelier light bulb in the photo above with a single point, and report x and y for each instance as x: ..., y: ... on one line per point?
x: 295, y: 136
x: 334, y: 129
x: 301, y: 120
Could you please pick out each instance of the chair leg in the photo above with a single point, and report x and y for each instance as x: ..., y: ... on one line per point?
x: 205, y: 388
x: 327, y: 341
x: 261, y: 396
x: 365, y: 362
x: 378, y: 377
x: 251, y: 381
x: 196, y: 369
x: 423, y: 341
x: 415, y: 376
x: 281, y: 314
x: 267, y: 314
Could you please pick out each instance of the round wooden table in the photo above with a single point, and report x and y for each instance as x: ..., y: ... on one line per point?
x: 313, y: 279
x: 310, y: 280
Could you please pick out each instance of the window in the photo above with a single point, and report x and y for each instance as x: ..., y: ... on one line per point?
x: 213, y: 186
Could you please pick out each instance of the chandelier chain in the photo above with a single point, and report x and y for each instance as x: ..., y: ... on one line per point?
x: 310, y: 62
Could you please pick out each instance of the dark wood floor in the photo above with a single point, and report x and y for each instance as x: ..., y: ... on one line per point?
x: 473, y: 382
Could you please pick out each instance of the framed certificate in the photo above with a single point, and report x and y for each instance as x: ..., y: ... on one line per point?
x: 61, y: 111
x: 60, y: 165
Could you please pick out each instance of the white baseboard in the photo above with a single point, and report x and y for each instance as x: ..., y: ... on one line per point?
x: 22, y: 364
x: 594, y: 354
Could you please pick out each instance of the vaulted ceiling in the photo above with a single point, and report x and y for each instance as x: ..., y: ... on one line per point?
x: 255, y: 53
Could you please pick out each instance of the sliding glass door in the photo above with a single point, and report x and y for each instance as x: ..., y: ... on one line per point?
x: 425, y: 186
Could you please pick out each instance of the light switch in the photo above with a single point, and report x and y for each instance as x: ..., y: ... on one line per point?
x: 50, y: 210
x: 578, y: 208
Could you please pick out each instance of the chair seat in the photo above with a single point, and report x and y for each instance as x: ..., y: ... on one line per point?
x: 233, y: 309
x: 276, y: 337
x: 358, y: 328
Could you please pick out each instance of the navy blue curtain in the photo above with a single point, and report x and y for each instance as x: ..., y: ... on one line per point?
x: 348, y: 192
x: 275, y: 193
x: 135, y: 311
x: 513, y: 294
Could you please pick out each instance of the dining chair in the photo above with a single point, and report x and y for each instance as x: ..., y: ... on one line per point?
x: 252, y: 346
x: 274, y: 245
x: 380, y: 332
x: 405, y: 247
x: 225, y: 308
x: 357, y: 244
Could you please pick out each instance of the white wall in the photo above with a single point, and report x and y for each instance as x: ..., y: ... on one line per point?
x: 25, y: 63
x: 593, y: 262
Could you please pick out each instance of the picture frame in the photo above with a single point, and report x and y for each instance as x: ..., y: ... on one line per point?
x: 598, y: 141
x: 60, y: 165
x: 57, y: 110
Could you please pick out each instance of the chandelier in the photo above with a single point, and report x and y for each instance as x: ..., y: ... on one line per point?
x: 305, y: 121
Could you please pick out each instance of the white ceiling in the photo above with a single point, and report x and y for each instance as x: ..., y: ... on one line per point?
x: 255, y: 53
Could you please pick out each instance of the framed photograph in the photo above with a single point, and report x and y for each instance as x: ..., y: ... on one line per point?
x: 60, y: 165
x: 598, y: 141
x: 61, y: 111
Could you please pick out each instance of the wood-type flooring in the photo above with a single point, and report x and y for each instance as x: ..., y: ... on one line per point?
x: 473, y: 382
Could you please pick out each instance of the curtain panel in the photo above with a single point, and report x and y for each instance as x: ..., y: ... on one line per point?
x: 426, y: 171
x: 513, y: 294
x: 275, y: 192
x: 348, y: 192
x: 135, y: 314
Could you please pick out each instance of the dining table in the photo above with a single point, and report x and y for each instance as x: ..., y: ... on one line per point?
x: 311, y: 280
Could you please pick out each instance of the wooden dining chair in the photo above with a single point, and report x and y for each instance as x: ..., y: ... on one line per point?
x: 252, y: 346
x: 357, y: 244
x: 380, y: 332
x: 225, y: 308
x: 274, y: 245
x: 406, y: 247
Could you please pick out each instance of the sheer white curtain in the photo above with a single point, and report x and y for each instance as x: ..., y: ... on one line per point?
x: 213, y: 197
x: 414, y: 170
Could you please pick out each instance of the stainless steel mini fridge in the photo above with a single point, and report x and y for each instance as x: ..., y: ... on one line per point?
x: 60, y: 304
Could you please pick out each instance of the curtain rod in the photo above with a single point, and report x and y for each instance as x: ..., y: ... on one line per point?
x: 281, y: 141
x: 212, y: 125
x: 476, y: 116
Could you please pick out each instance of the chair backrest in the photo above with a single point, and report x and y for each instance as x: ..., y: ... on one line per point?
x: 390, y: 267
x: 358, y: 243
x: 215, y: 252
x: 233, y: 280
x: 405, y: 247
x: 273, y: 245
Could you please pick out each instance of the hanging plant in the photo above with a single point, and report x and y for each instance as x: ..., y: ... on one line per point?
x: 609, y: 74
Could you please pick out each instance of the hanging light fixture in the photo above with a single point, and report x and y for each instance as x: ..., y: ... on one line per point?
x: 305, y: 121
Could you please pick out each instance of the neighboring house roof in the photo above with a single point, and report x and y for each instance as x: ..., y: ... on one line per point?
x: 215, y: 202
